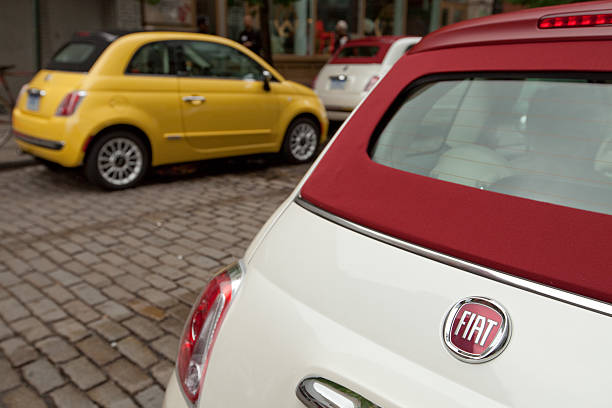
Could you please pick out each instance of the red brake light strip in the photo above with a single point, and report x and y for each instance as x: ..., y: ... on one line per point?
x: 586, y: 20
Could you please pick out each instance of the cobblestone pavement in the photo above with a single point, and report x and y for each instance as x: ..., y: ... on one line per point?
x: 95, y: 286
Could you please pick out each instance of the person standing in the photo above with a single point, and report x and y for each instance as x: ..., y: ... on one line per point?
x: 249, y: 37
x: 341, y: 34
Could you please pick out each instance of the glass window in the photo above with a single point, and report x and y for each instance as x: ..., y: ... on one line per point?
x: 74, y: 53
x: 207, y: 59
x: 77, y: 56
x: 152, y: 59
x: 283, y: 28
x: 539, y: 138
x: 379, y: 17
x: 358, y: 52
x: 329, y: 12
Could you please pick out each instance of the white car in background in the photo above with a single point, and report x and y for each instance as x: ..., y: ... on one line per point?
x: 355, y: 68
x: 451, y: 247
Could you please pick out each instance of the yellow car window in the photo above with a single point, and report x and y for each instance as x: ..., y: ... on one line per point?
x: 153, y: 59
x: 206, y: 59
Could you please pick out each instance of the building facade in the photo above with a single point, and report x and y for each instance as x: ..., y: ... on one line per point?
x: 302, y: 31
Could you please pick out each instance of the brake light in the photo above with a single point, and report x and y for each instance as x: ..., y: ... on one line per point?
x: 586, y: 20
x: 202, y: 328
x: 371, y: 83
x: 314, y: 81
x: 70, y: 103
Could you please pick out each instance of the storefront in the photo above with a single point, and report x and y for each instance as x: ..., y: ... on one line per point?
x: 302, y: 31
x: 306, y: 27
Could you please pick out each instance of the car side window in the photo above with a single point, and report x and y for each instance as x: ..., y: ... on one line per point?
x: 152, y: 59
x: 208, y: 59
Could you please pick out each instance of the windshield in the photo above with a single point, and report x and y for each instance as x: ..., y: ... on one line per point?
x: 539, y: 138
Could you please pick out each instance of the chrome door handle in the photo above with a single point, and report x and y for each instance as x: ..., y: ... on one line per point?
x: 194, y: 98
x: 317, y: 392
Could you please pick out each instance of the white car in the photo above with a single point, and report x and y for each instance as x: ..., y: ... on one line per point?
x: 451, y: 247
x: 355, y: 68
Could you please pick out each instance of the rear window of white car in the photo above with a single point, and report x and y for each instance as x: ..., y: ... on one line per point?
x: 359, y: 51
x: 539, y: 137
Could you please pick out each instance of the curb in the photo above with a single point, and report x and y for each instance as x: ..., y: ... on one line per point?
x: 15, y: 164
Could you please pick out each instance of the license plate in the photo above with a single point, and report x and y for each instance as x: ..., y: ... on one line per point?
x: 337, y: 84
x: 33, y: 102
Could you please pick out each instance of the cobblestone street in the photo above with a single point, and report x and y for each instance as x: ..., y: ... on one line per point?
x: 95, y: 286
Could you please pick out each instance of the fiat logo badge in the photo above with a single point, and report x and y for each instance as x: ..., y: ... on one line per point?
x: 476, y: 330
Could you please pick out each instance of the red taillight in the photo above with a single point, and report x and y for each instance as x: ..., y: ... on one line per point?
x: 586, y: 20
x: 371, y: 83
x: 202, y: 328
x: 314, y: 81
x: 70, y: 103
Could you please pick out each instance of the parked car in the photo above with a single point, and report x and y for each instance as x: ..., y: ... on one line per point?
x: 450, y: 247
x: 354, y: 70
x: 119, y: 104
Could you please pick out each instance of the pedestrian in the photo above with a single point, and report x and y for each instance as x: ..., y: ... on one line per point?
x: 249, y: 37
x: 341, y: 34
x: 203, y: 25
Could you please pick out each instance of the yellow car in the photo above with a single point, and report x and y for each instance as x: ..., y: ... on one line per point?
x: 120, y: 104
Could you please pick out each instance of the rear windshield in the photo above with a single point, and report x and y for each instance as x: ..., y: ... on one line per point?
x: 546, y: 139
x: 77, y: 56
x: 358, y: 51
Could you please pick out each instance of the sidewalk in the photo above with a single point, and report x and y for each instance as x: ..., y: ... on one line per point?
x: 10, y: 155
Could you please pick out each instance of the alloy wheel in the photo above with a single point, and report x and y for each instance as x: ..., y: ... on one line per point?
x: 120, y: 161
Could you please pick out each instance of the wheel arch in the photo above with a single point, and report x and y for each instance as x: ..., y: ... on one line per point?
x: 119, y: 127
x: 309, y: 115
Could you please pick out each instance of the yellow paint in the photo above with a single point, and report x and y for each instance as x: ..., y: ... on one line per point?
x: 237, y: 117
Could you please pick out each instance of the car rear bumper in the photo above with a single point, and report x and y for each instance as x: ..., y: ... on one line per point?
x: 47, y: 144
x: 56, y: 139
x: 338, y: 113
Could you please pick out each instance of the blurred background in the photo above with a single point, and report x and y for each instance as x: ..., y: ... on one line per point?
x: 301, y: 32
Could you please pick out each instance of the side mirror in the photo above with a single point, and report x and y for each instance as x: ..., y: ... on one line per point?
x: 267, y: 77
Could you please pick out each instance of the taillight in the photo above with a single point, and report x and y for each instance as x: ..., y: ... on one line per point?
x: 314, y: 81
x: 585, y: 20
x: 70, y: 103
x: 371, y: 83
x: 202, y: 328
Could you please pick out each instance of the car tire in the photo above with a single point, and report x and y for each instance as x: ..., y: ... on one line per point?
x: 117, y: 160
x: 301, y: 140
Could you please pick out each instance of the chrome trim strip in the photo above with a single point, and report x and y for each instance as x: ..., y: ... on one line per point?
x: 318, y: 392
x: 48, y: 144
x: 520, y: 283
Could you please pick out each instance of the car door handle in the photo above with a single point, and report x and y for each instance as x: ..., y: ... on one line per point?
x: 317, y: 392
x: 195, y: 99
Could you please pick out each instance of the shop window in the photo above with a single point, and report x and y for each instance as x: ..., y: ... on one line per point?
x: 329, y: 12
x: 379, y: 18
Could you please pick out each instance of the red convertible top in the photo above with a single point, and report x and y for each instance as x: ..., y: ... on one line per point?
x: 517, y: 27
x: 559, y: 246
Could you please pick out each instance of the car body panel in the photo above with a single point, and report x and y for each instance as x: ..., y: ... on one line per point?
x: 153, y: 103
x: 376, y: 328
